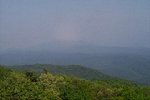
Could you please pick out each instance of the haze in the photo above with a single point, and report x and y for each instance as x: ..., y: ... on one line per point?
x: 36, y: 24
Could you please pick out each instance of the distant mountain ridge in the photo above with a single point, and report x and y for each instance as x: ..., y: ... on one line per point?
x: 129, y: 63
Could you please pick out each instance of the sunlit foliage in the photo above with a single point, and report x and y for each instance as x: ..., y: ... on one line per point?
x: 16, y: 85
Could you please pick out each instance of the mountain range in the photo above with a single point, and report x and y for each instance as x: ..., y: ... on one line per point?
x: 127, y: 63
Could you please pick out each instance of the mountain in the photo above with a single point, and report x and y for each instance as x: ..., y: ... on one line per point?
x: 128, y: 63
x: 70, y: 70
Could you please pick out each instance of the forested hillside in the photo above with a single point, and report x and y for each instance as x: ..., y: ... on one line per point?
x: 18, y: 85
x: 71, y: 70
x: 128, y: 63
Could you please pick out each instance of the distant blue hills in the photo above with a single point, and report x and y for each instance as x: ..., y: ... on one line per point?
x: 127, y: 63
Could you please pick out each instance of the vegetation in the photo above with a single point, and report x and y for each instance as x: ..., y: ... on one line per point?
x: 16, y: 85
x: 70, y: 70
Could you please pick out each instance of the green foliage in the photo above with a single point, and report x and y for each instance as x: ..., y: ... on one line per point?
x: 16, y: 85
x: 4, y: 72
x: 32, y: 76
x: 70, y: 70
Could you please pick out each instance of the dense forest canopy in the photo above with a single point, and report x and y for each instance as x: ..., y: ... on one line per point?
x: 28, y: 85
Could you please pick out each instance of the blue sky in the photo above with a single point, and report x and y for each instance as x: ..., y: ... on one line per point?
x: 33, y: 23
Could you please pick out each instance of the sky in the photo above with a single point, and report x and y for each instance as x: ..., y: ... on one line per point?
x: 33, y: 24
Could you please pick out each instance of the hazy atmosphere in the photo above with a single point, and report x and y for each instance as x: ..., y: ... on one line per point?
x: 44, y: 24
x: 75, y: 49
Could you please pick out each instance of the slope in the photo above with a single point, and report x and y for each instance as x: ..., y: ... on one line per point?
x: 71, y: 70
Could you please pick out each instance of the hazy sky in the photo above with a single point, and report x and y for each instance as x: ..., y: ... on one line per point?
x: 33, y: 23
